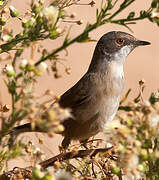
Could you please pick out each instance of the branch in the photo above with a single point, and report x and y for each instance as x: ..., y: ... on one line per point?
x: 27, y: 172
x: 73, y: 155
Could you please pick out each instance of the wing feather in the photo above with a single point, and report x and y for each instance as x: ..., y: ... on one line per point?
x: 77, y: 95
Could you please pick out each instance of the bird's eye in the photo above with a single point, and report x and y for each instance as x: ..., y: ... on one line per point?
x: 119, y: 41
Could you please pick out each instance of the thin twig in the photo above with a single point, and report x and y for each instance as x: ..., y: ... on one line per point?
x: 72, y: 155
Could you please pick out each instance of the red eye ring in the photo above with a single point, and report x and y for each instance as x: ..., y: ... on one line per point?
x: 119, y: 41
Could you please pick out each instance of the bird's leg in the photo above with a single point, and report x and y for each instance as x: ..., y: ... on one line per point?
x: 84, y: 143
x: 65, y: 143
x: 12, y: 139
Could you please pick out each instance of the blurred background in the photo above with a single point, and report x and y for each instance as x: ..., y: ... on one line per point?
x: 142, y: 63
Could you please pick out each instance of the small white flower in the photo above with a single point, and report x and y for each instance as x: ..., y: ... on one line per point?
x: 140, y: 167
x: 12, y: 8
x: 37, y: 150
x: 23, y: 63
x: 29, y: 89
x: 32, y: 20
x: 133, y: 161
x: 9, y: 68
x: 51, y: 15
x: 24, y: 20
x: 114, y: 127
x: 43, y: 157
x: 154, y: 120
x: 13, y: 12
x: 109, y: 145
x: 58, y: 22
x: 62, y: 174
x: 41, y: 174
x: 111, y: 126
x: 58, y: 30
x: 6, y: 37
x: 43, y: 67
x: 154, y: 14
x: 38, y: 166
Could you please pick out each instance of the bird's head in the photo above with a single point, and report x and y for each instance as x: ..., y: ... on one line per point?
x: 117, y: 44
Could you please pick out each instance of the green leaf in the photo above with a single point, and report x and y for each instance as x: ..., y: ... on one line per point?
x: 154, y: 4
x: 66, y: 40
x: 97, y: 14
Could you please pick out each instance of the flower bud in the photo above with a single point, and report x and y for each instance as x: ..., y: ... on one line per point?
x: 41, y: 141
x: 23, y: 63
x: 13, y: 12
x: 6, y: 108
x: 68, y: 71
x: 57, y: 164
x: 58, y: 129
x: 38, y: 174
x: 115, y: 170
x: 58, y: 30
x: 31, y: 22
x: 30, y: 66
x: 43, y: 66
x: 92, y: 3
x: 9, y: 70
x: 79, y: 22
x: 24, y: 23
x: 140, y: 167
x: 144, y: 154
x: 1, y: 3
x: 73, y: 15
x: 55, y: 33
x: 62, y: 14
x: 50, y: 15
x: 6, y: 37
x: 3, y: 20
x: 141, y: 82
x: 37, y: 7
x: 56, y: 75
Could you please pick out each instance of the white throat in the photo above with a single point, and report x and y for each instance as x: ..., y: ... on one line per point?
x: 122, y: 54
x: 117, y: 69
x: 117, y: 63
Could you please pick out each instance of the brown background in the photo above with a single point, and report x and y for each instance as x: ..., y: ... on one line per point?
x: 141, y: 63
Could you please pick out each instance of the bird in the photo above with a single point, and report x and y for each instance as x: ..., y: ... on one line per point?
x: 95, y: 98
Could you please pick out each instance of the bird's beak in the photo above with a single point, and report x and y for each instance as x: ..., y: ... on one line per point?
x: 141, y: 43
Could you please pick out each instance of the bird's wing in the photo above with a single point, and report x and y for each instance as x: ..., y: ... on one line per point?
x: 77, y: 95
x: 82, y: 98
